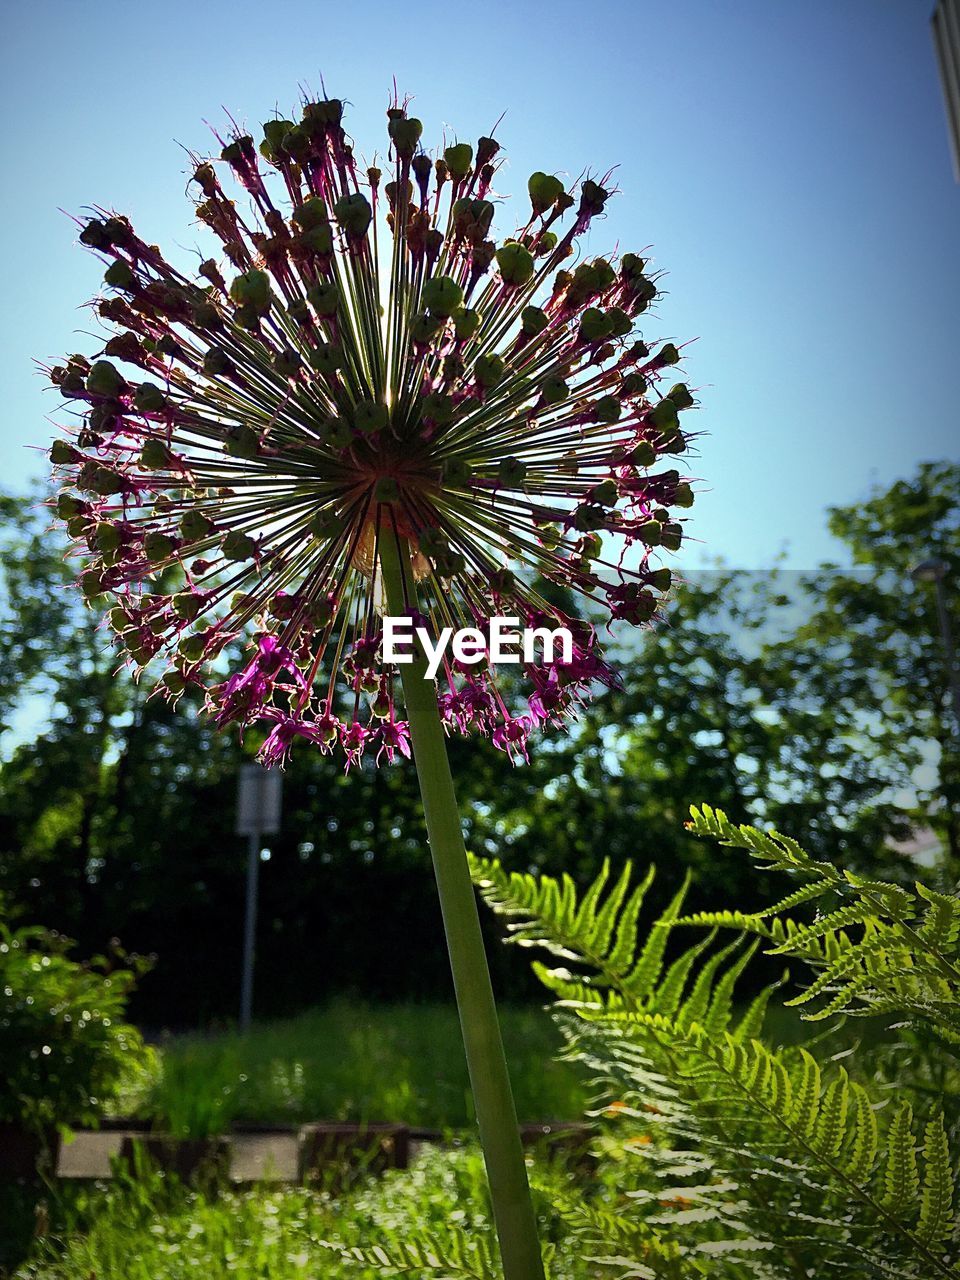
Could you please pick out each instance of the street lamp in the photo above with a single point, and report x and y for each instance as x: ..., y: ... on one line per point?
x: 258, y: 814
x: 936, y: 570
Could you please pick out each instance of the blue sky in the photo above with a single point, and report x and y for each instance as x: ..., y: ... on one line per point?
x: 787, y: 163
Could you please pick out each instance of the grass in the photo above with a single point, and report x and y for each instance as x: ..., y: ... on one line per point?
x: 349, y: 1062
x: 147, y: 1227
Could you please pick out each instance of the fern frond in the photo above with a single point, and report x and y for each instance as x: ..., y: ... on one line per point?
x: 454, y: 1256
x: 600, y: 931
x: 884, y: 949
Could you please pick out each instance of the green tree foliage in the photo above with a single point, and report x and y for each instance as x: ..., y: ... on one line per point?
x: 806, y: 702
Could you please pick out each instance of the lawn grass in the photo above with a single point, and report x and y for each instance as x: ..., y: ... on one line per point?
x: 150, y: 1227
x: 351, y: 1062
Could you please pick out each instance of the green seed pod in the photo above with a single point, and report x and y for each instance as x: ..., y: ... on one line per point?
x: 287, y: 363
x: 242, y: 442
x: 158, y: 546
x: 174, y: 682
x: 551, y: 536
x: 619, y: 322
x: 217, y: 362
x: 544, y: 190
x: 274, y: 132
x: 437, y: 408
x: 320, y: 612
x: 353, y: 214
x: 386, y: 489
x: 405, y: 134
x: 192, y: 648
x: 465, y: 323
x: 607, y: 409
x: 327, y: 524
x: 555, y: 390
x: 664, y: 415
x: 155, y: 455
x: 672, y: 536
x: 633, y: 384
x: 104, y: 379
x: 449, y: 563
x: 594, y: 325
x: 205, y: 315
x: 458, y: 158
x: 194, y: 525
x: 650, y: 533
x: 77, y: 526
x: 432, y: 542
x: 679, y: 393
x: 108, y: 537
x: 339, y: 433
x: 643, y: 455
x: 324, y: 298
x: 606, y: 493
x: 604, y: 274
x: 68, y: 506
x: 106, y: 482
x: 319, y: 240
x: 515, y: 262
x: 676, y: 443
x: 456, y: 473
x: 591, y: 544
x: 96, y: 236
x: 683, y: 496
x: 472, y: 218
x: 312, y: 213
x: 62, y: 454
x: 442, y: 296
x: 238, y: 546
x: 668, y: 354
x: 148, y: 398
x: 488, y: 371
x: 91, y: 583
x: 588, y: 517
x: 424, y: 328
x: 119, y: 275
x: 252, y: 292
x: 326, y: 358
x: 370, y: 417
x: 511, y: 473
x: 188, y: 605
x: 533, y: 320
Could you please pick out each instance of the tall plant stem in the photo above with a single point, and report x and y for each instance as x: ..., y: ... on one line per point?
x: 493, y: 1099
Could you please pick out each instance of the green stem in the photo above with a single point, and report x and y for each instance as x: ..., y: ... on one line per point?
x: 493, y: 1099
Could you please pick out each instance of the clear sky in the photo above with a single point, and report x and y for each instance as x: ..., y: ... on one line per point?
x: 787, y: 162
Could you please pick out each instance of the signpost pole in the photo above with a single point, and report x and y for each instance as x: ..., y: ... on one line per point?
x: 249, y: 931
x: 258, y: 814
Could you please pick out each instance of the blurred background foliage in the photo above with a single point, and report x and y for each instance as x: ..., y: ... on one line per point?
x: 817, y: 702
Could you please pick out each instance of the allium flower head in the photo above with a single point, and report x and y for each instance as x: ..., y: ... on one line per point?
x: 363, y: 359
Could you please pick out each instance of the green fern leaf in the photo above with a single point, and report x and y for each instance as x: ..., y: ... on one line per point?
x: 901, y: 1183
x: 936, y: 1201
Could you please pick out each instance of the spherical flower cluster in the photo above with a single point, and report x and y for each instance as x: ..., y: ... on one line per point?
x: 364, y: 360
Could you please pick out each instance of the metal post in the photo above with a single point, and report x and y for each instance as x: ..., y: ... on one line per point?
x: 249, y: 931
x: 258, y: 814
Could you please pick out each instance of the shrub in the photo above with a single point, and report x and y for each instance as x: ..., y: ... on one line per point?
x: 65, y: 1049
